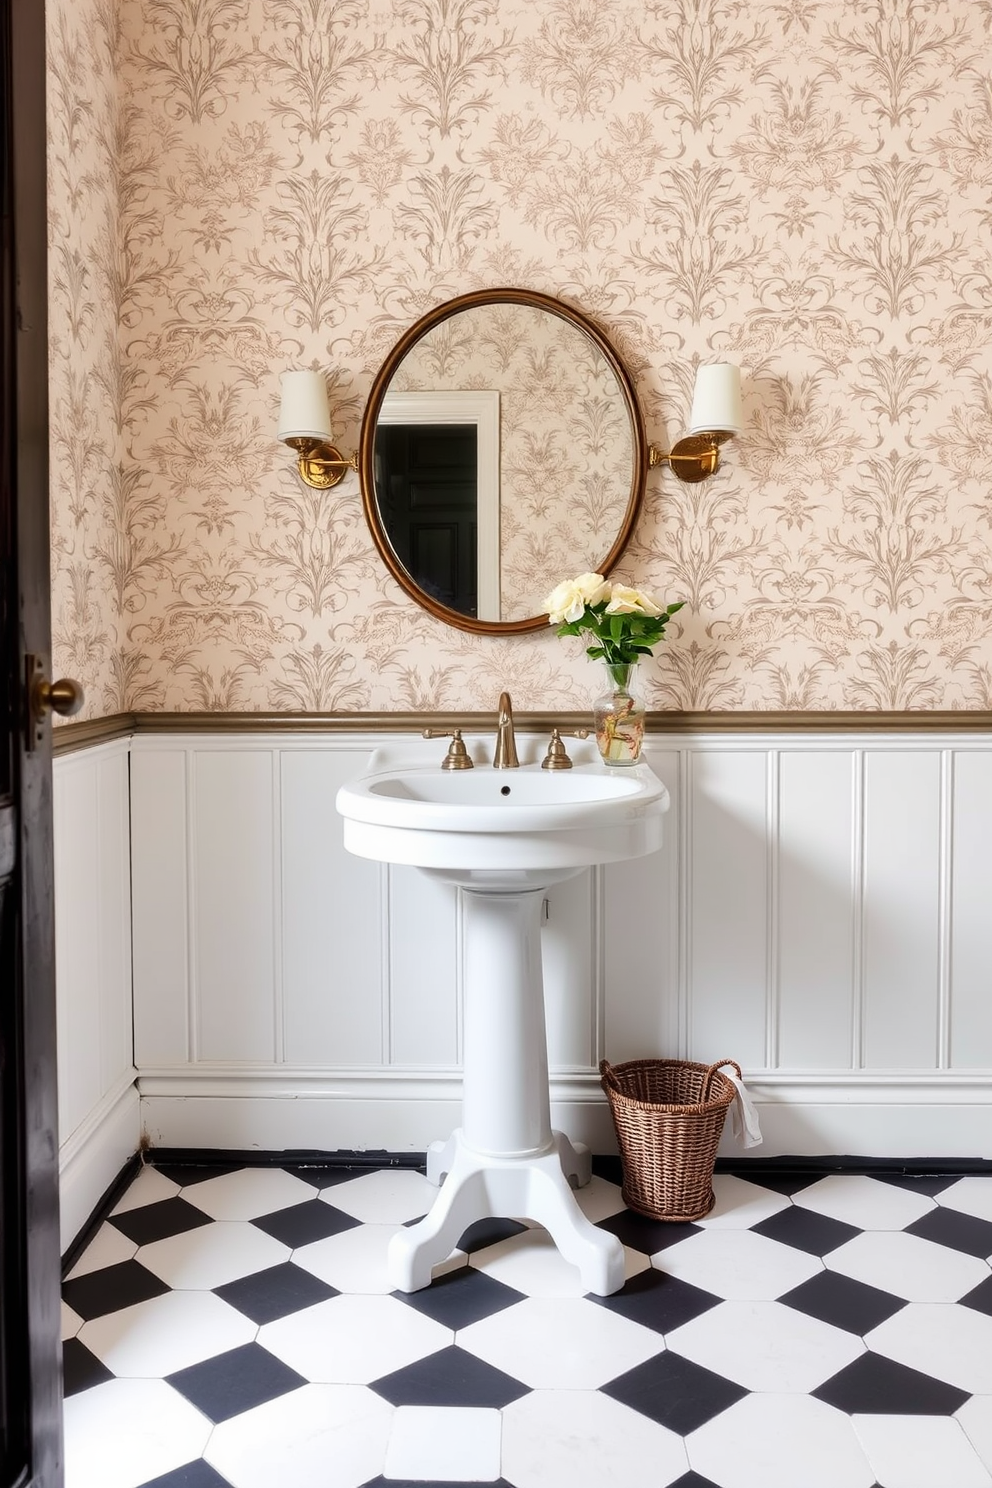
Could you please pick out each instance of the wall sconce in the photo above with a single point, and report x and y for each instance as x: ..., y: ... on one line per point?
x: 305, y: 425
x: 715, y: 417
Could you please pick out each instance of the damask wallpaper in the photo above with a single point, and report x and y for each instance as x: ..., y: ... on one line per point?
x: 243, y: 186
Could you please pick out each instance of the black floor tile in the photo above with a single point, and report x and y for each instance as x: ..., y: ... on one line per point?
x: 644, y: 1234
x: 658, y: 1301
x: 335, y: 1174
x: 317, y: 1175
x: 873, y: 1385
x: 981, y: 1298
x: 779, y: 1180
x: 461, y: 1297
x: 81, y: 1370
x: 804, y: 1229
x: 452, y: 1376
x: 275, y: 1292
x: 675, y: 1392
x: 959, y: 1231
x: 488, y: 1232
x: 844, y: 1302
x: 609, y: 1168
x: 186, y: 1174
x: 111, y: 1288
x: 381, y: 1482
x: 230, y: 1383
x: 306, y: 1222
x: 921, y: 1183
x: 198, y: 1474
x: 158, y: 1221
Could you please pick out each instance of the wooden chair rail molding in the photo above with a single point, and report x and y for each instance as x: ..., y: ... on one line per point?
x: 69, y: 737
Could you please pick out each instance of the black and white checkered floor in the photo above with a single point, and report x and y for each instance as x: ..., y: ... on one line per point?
x: 236, y: 1327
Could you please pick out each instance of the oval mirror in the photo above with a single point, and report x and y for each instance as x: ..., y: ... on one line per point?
x: 502, y: 450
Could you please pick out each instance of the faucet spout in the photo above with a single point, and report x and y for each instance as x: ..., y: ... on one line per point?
x: 505, y: 757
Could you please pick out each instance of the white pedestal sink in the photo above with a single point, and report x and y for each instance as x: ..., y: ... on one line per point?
x: 503, y: 837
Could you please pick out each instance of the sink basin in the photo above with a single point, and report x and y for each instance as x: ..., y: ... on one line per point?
x: 524, y: 824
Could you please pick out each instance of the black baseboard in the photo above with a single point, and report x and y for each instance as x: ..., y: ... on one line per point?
x: 109, y: 1200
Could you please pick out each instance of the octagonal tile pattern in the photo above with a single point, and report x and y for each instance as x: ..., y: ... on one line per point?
x: 233, y: 1327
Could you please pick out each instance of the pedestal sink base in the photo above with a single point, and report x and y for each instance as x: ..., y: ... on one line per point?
x: 535, y: 1186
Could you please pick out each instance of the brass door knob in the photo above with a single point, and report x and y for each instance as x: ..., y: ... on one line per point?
x: 64, y: 697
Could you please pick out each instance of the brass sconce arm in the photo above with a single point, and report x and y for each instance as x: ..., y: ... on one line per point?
x: 321, y: 464
x: 693, y: 457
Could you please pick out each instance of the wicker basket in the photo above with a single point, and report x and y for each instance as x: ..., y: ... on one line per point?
x: 668, y: 1115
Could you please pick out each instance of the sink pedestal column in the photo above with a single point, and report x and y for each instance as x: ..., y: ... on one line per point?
x: 505, y: 1161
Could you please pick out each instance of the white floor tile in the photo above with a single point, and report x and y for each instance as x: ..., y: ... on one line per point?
x: 531, y: 1263
x: 780, y: 1441
x: 765, y: 1346
x: 127, y: 1432
x: 248, y: 1193
x: 353, y: 1340
x: 563, y: 1438
x: 560, y: 1343
x: 388, y: 1196
x: 320, y: 1436
x: 212, y: 1255
x: 908, y: 1266
x: 866, y: 1202
x: 969, y: 1195
x: 737, y: 1264
x: 355, y: 1260
x: 444, y: 1444
x: 976, y: 1420
x: 155, y: 1338
x: 919, y: 1452
x: 953, y: 1344
x: 149, y: 1187
x: 107, y: 1248
x: 599, y: 1199
x: 71, y: 1322
x: 740, y: 1204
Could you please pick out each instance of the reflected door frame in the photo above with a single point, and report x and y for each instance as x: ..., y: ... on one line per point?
x: 479, y: 407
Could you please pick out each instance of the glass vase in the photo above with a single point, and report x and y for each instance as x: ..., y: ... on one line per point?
x: 619, y: 716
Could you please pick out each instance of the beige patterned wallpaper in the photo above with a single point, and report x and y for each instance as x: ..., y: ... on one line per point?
x: 244, y: 186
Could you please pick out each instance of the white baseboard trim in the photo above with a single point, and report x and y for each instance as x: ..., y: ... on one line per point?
x: 93, y: 1155
x: 897, y: 1115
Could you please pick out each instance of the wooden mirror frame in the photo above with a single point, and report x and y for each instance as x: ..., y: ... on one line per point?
x: 366, y: 468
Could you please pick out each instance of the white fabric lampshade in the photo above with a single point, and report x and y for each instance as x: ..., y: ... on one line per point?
x: 716, y: 399
x: 304, y: 412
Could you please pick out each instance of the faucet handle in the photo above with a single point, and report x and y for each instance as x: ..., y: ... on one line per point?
x: 556, y: 757
x: 457, y: 757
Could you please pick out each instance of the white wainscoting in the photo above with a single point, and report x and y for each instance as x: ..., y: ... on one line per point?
x: 821, y: 912
x: 99, y: 1117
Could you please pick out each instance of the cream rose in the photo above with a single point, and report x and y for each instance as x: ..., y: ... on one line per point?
x: 624, y: 601
x: 568, y: 600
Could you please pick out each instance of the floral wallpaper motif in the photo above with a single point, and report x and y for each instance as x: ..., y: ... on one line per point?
x: 565, y: 444
x: 243, y: 186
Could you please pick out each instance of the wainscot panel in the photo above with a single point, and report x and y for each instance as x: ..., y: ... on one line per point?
x: 99, y: 1119
x: 800, y: 918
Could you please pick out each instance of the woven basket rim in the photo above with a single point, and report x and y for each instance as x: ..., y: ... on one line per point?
x: 609, y: 1072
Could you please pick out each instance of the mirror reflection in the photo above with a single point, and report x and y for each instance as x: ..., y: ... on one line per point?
x: 501, y: 450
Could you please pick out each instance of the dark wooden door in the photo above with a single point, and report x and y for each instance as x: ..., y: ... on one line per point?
x: 30, y: 1376
x: 429, y: 503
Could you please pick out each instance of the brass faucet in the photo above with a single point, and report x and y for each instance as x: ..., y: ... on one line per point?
x: 505, y: 757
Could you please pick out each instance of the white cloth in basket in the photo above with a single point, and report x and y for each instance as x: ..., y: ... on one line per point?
x: 743, y: 1116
